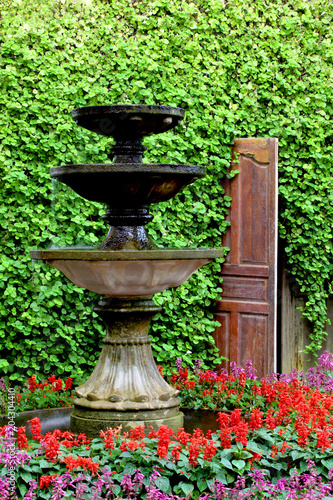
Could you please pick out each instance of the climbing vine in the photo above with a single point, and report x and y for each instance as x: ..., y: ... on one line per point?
x: 239, y: 69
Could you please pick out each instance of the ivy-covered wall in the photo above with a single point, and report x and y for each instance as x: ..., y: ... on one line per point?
x: 239, y: 68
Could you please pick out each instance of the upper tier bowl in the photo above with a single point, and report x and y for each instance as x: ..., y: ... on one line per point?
x: 128, y: 120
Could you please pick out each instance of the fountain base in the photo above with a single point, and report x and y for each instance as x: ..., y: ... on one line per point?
x: 125, y: 387
x: 91, y: 422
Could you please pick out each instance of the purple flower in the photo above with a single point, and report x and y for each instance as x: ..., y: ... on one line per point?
x: 220, y: 490
x: 240, y: 483
x: 236, y: 370
x: 321, y: 376
x: 80, y: 486
x: 326, y: 361
x: 60, y: 484
x: 108, y: 482
x: 257, y: 474
x: 32, y: 494
x: 15, y: 458
x: 178, y: 364
x: 131, y: 486
x: 153, y: 493
x: 330, y: 474
x: 288, y: 378
x: 250, y: 371
x: 127, y: 486
x: 281, y: 484
x: 4, y: 488
x: 97, y: 489
x: 272, y: 377
x: 197, y: 366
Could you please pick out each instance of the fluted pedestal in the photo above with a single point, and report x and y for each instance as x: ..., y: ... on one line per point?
x: 126, y: 387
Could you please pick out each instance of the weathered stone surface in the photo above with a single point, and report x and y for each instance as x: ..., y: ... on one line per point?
x: 98, y: 255
x: 126, y: 377
x: 92, y: 422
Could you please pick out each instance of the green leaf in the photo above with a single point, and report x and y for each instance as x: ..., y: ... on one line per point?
x: 298, y: 454
x: 187, y: 488
x: 202, y: 484
x: 226, y: 463
x: 163, y: 484
x: 239, y: 464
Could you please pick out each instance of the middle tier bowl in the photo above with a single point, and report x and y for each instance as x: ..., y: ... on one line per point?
x: 127, y: 184
x: 131, y: 273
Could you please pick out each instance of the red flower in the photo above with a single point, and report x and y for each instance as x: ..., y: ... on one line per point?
x: 152, y: 434
x: 138, y: 432
x: 255, y: 456
x: 276, y: 449
x: 68, y: 383
x: 183, y: 374
x: 107, y: 436
x: 36, y: 429
x: 52, y: 449
x: 303, y: 432
x: 190, y: 384
x: 182, y: 436
x: 194, y: 451
x: 223, y: 419
x: 235, y: 417
x: 225, y: 437
x: 242, y: 379
x: 86, y: 463
x: 44, y: 481
x: 270, y: 420
x: 323, y: 441
x: 32, y: 384
x: 164, y: 437
x: 209, y: 451
x: 241, y: 430
x: 176, y: 450
x: 256, y: 419
x: 58, y: 384
x: 22, y: 441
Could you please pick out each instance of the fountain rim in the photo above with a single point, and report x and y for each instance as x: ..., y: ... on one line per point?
x: 150, y: 109
x: 128, y: 255
x: 153, y: 168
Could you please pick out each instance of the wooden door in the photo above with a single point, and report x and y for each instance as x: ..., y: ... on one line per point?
x: 247, y: 308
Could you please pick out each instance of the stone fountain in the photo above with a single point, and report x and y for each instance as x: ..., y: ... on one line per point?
x: 127, y: 268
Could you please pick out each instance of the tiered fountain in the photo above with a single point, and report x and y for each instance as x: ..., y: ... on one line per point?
x: 127, y: 269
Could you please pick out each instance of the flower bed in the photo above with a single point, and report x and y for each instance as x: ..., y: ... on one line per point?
x: 51, y: 393
x: 239, y: 458
x: 283, y: 449
x: 242, y: 389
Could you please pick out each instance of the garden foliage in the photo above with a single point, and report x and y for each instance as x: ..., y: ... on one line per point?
x: 239, y: 69
x: 278, y: 443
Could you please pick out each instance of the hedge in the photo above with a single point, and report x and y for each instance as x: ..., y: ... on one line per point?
x: 239, y: 69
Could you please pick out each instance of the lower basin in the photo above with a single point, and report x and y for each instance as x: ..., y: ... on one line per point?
x: 127, y: 273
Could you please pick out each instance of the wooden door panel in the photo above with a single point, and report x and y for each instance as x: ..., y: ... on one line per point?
x: 253, y: 212
x: 238, y: 287
x: 247, y: 308
x: 253, y: 338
